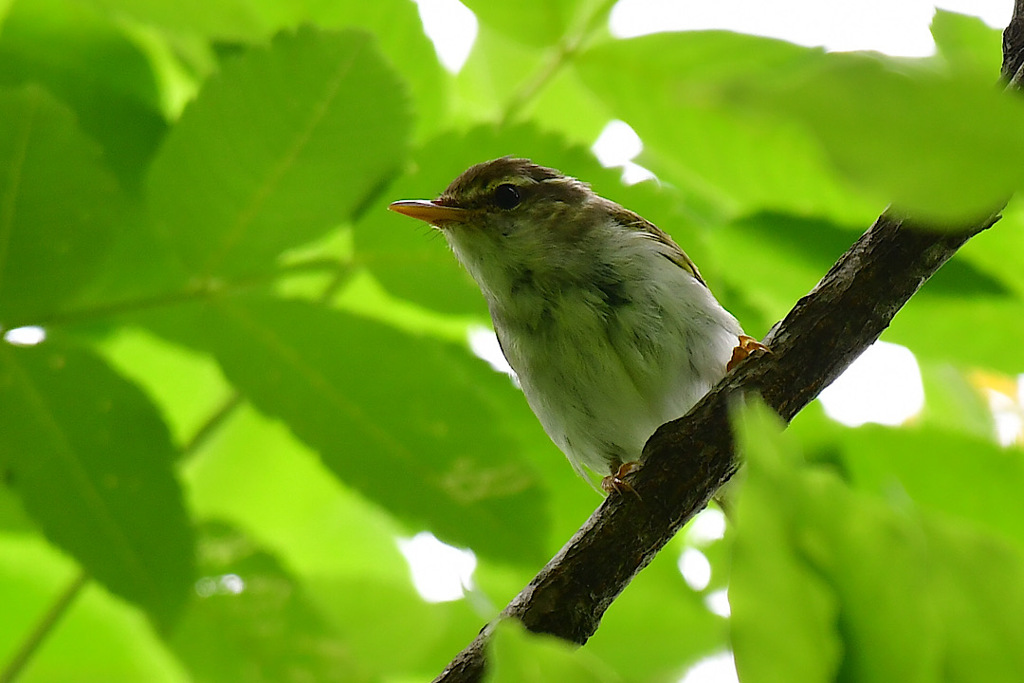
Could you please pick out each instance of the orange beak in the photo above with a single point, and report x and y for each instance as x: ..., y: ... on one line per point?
x: 429, y: 211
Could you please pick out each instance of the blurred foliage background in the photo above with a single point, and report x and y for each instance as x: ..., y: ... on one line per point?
x: 256, y: 384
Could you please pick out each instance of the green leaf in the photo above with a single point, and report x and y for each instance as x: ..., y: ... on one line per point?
x: 967, y: 43
x: 495, y: 74
x: 399, y: 32
x: 783, y: 613
x: 934, y: 328
x: 947, y: 473
x: 373, y: 614
x: 518, y: 656
x: 952, y: 403
x: 942, y: 149
x: 406, y: 421
x: 58, y: 206
x: 913, y: 595
x: 538, y: 23
x: 254, y: 474
x: 87, y: 60
x: 669, y: 88
x: 91, y: 460
x: 981, y: 600
x: 249, y: 620
x: 1000, y: 251
x: 228, y: 20
x: 753, y: 246
x: 284, y: 144
x: 100, y: 637
x: 188, y: 387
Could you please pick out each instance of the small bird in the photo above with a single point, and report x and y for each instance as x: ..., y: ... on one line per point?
x: 606, y: 322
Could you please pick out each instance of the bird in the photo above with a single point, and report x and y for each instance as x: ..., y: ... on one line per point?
x: 606, y: 322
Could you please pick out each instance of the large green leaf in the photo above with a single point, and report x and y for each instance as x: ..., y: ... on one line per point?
x: 398, y: 29
x: 949, y: 473
x: 58, y: 206
x: 967, y: 43
x: 91, y: 460
x: 254, y: 474
x: 282, y: 145
x: 236, y: 20
x: 406, y: 421
x: 251, y: 621
x: 915, y: 596
x: 88, y: 61
x: 783, y: 613
x: 937, y: 328
x: 942, y: 148
x: 751, y: 117
x: 669, y: 87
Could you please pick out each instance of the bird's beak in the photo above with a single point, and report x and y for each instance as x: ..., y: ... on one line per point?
x: 429, y: 211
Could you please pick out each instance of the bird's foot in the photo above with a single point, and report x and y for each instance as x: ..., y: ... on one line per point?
x: 617, y: 482
x: 747, y: 347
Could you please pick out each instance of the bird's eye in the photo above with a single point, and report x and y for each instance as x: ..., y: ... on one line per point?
x: 506, y: 196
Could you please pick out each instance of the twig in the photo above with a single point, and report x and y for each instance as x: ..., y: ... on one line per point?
x: 46, y: 625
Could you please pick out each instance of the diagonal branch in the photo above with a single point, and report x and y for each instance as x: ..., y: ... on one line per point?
x: 687, y: 460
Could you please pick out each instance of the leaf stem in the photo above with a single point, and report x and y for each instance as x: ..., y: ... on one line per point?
x: 43, y: 628
x: 204, y: 290
x: 212, y: 423
x: 564, y: 51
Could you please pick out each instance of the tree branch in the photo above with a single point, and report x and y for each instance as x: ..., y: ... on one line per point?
x: 687, y: 460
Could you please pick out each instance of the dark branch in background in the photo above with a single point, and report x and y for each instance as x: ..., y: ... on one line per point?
x: 687, y: 460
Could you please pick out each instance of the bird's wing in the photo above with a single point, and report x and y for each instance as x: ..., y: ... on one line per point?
x: 674, y: 252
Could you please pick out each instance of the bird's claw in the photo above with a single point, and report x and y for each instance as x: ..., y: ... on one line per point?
x: 617, y: 483
x: 748, y: 346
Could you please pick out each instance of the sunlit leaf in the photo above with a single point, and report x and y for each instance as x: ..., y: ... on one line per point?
x: 239, y: 20
x: 784, y: 616
x: 539, y: 23
x: 669, y: 88
x: 91, y: 459
x: 277, y: 149
x: 934, y: 328
x: 949, y: 473
x: 658, y: 626
x: 256, y: 475
x: 913, y: 595
x: 966, y: 43
x: 406, y: 421
x: 249, y: 620
x: 87, y: 61
x: 941, y: 148
x: 58, y: 206
x: 398, y: 30
x: 99, y: 636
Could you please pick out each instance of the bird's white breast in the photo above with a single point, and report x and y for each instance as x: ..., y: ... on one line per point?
x: 606, y: 358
